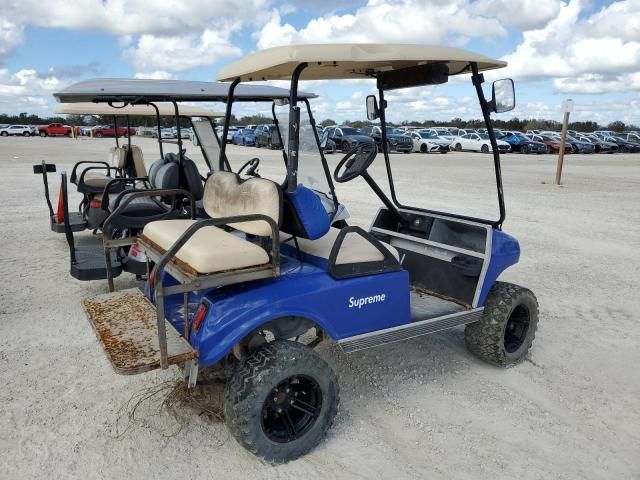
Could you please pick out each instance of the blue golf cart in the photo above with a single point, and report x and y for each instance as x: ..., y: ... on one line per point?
x: 275, y: 270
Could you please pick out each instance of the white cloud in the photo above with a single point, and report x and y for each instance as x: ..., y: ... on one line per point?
x: 521, y: 14
x: 598, y: 83
x: 11, y: 35
x: 133, y: 17
x: 155, y: 75
x: 575, y: 50
x: 155, y: 35
x: 182, y: 52
x: 26, y: 91
x: 387, y: 21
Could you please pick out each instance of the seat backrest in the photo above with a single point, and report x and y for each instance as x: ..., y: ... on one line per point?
x: 192, y: 179
x: 227, y: 195
x: 117, y: 157
x: 138, y: 161
x: 190, y: 175
x: 164, y: 174
x: 304, y: 215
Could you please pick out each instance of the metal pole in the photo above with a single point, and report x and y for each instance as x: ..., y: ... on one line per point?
x: 115, y: 130
x: 227, y: 120
x: 158, y: 127
x: 477, y: 80
x: 294, y: 130
x: 563, y: 139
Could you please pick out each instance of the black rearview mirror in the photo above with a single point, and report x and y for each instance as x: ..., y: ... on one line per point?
x: 503, y: 96
x: 372, y: 107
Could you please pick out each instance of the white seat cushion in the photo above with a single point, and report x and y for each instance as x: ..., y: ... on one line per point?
x: 210, y: 250
x: 354, y: 248
x: 226, y: 195
x: 98, y: 180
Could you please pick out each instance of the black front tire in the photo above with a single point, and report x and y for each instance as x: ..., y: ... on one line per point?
x: 250, y: 410
x: 484, y: 149
x: 43, y: 134
x: 524, y: 150
x: 5, y: 134
x: 508, y: 326
x: 458, y: 147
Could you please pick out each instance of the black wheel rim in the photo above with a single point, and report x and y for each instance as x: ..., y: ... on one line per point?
x: 517, y: 328
x: 291, y: 409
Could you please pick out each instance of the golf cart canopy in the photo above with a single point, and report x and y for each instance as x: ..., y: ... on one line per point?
x: 350, y: 60
x: 164, y: 109
x: 142, y: 91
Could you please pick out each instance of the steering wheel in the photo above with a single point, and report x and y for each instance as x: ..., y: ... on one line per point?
x: 355, y: 162
x: 253, y: 165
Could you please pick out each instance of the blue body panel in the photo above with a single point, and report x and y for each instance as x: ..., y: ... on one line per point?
x: 342, y: 308
x: 505, y: 251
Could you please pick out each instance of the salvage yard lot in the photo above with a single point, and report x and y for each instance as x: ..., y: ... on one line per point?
x: 424, y: 408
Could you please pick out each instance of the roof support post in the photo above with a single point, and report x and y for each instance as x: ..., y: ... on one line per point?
x: 180, y: 153
x: 115, y: 130
x: 477, y: 80
x: 294, y: 130
x: 129, y: 132
x: 158, y: 126
x: 227, y: 120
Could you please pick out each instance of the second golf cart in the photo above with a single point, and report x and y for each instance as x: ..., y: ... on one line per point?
x: 271, y: 266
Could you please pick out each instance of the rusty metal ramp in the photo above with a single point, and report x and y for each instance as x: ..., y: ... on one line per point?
x: 126, y: 325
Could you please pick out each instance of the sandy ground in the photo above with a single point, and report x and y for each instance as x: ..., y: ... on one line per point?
x: 424, y: 408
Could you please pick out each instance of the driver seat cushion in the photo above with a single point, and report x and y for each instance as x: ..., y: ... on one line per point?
x: 209, y: 250
x: 304, y: 215
x: 354, y: 249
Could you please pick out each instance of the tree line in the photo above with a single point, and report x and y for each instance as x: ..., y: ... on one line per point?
x: 138, y: 121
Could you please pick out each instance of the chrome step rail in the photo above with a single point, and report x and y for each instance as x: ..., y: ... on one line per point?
x: 410, y: 330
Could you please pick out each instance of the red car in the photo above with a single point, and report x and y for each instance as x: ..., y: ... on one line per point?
x: 109, y: 131
x: 54, y: 129
x: 553, y: 146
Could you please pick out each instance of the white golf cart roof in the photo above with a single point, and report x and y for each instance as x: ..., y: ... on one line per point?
x: 143, y: 90
x: 349, y: 60
x: 165, y: 109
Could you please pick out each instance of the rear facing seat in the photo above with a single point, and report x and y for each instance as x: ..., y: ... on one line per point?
x: 212, y: 249
x: 94, y: 181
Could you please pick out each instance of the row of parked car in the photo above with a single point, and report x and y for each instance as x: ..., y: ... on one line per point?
x: 446, y: 139
x: 60, y: 129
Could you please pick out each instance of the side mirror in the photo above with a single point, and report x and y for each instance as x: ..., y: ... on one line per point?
x: 372, y: 107
x: 503, y: 96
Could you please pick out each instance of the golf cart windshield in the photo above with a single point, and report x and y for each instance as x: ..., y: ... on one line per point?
x: 311, y: 170
x: 392, y: 67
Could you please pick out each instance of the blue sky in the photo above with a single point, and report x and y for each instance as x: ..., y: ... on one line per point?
x: 580, y: 49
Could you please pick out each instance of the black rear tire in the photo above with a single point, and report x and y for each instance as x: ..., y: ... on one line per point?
x: 43, y: 134
x: 508, y: 326
x: 458, y: 147
x: 345, y: 147
x: 5, y: 134
x: 275, y: 379
x: 524, y: 150
x: 484, y: 149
